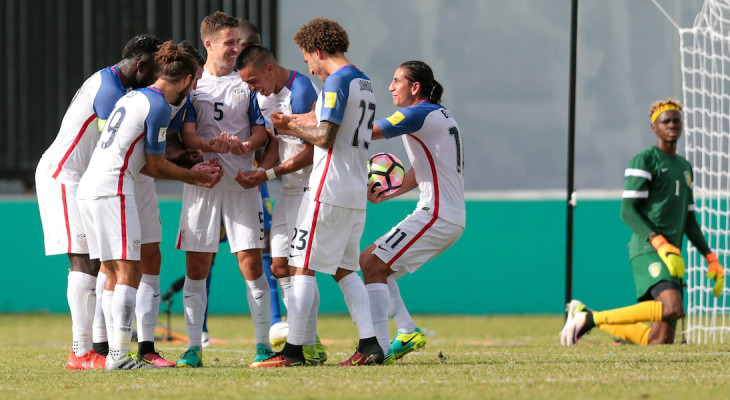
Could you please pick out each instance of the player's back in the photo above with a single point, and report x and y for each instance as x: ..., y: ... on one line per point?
x: 71, y: 150
x: 339, y: 174
x: 137, y: 125
x: 222, y: 104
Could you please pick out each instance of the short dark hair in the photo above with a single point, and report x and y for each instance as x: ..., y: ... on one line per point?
x: 254, y: 55
x: 322, y: 34
x: 419, y: 71
x: 190, y: 49
x: 140, y: 45
x: 217, y: 22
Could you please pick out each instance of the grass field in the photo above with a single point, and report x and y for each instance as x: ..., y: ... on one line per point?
x: 467, y: 357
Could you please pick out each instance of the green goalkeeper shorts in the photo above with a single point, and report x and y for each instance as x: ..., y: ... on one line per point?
x: 648, y: 271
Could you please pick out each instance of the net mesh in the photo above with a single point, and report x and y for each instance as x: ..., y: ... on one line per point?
x: 705, y: 58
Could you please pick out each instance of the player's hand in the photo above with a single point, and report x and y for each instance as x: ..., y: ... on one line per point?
x: 715, y: 272
x: 250, y: 179
x: 237, y: 147
x: 671, y: 256
x: 219, y: 144
x: 375, y: 193
x: 208, y: 173
x: 280, y: 121
x: 308, y: 119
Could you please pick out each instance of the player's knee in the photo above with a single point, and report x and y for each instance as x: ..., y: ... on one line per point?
x: 280, y: 269
x: 672, y: 311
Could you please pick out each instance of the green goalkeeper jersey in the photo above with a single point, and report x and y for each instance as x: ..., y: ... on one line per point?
x: 662, y: 186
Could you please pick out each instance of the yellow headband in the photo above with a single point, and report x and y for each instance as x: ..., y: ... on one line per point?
x: 666, y: 107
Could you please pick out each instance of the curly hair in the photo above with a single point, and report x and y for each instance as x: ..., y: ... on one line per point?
x: 192, y: 51
x: 175, y: 63
x: 140, y: 45
x: 663, y: 103
x: 216, y: 22
x: 322, y: 34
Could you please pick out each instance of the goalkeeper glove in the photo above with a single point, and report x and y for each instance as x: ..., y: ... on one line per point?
x: 716, y: 272
x: 671, y: 256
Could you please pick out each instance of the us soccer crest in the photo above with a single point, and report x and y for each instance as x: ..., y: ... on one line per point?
x: 655, y: 269
x: 239, y: 94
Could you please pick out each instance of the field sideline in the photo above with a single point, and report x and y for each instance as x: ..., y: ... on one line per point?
x: 479, y: 357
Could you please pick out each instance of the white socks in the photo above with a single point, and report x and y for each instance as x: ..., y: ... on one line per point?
x: 285, y: 285
x: 123, y: 303
x: 301, y: 301
x: 397, y: 309
x: 81, y: 296
x: 106, y: 305
x: 259, y: 299
x: 99, y: 328
x: 194, y: 299
x: 310, y: 334
x: 379, y: 298
x: 148, y: 307
x: 356, y: 298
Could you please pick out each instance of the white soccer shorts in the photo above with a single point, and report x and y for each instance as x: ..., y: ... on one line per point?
x: 415, y: 240
x: 149, y: 209
x: 112, y: 227
x: 327, y: 237
x: 202, y: 210
x: 282, y: 223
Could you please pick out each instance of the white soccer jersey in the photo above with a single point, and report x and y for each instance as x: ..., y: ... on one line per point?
x: 339, y: 174
x: 225, y: 104
x: 137, y: 127
x: 436, y: 152
x: 70, y: 152
x: 296, y: 97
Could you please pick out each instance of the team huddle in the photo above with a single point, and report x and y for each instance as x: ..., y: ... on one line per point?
x: 98, y: 203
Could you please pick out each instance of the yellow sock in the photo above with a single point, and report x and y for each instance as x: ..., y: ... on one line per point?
x: 635, y: 333
x: 646, y: 311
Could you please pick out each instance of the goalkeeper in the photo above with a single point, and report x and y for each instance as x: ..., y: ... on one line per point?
x: 658, y: 206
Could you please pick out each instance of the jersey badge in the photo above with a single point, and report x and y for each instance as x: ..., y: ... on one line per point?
x: 395, y: 118
x: 239, y: 94
x: 688, y: 178
x: 655, y: 269
x: 330, y: 99
x: 161, y: 135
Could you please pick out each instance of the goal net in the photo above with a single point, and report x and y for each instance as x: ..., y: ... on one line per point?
x: 705, y: 61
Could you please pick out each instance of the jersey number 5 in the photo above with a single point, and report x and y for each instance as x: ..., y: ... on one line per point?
x: 363, y: 107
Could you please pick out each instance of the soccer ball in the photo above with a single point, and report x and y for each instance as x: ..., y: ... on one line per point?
x: 386, y: 171
x: 278, y: 333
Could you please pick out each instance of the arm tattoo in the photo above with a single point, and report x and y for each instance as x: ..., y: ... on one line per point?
x: 322, y: 135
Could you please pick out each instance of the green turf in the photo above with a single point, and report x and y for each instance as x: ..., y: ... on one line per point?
x: 513, y: 357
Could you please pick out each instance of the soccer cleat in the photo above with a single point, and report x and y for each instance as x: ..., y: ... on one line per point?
x: 276, y: 361
x: 404, y: 343
x: 262, y: 353
x: 157, y: 360
x: 571, y: 310
x: 367, y: 356
x: 321, y: 350
x: 192, y: 357
x: 389, y: 358
x: 129, y: 361
x: 577, y: 326
x: 90, y: 360
x: 311, y: 355
x: 206, y: 340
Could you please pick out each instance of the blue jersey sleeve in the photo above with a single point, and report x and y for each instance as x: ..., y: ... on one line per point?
x: 254, y: 112
x: 404, y: 121
x: 303, y: 95
x: 109, y: 92
x: 186, y: 114
x: 156, y: 124
x: 335, y: 91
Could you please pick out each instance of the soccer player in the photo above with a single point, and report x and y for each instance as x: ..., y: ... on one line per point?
x: 59, y: 171
x: 658, y: 206
x: 436, y: 153
x: 223, y: 104
x: 133, y: 142
x: 290, y: 92
x: 331, y: 218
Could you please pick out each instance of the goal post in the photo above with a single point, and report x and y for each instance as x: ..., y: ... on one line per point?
x: 705, y: 63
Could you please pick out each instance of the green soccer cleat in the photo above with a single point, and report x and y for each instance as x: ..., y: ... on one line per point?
x: 192, y: 358
x: 404, y: 343
x: 311, y: 356
x: 321, y: 350
x: 262, y: 353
